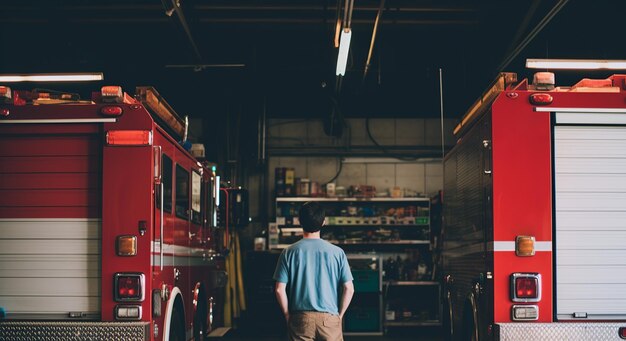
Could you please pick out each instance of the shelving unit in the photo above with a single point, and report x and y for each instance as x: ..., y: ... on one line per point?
x: 397, y: 230
x: 405, y: 305
x: 360, y: 221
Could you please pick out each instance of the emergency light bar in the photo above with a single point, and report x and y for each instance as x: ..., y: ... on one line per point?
x: 577, y: 64
x: 52, y: 77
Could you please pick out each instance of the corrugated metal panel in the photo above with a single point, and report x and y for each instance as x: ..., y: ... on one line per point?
x: 590, y: 205
x: 50, y: 267
x: 464, y: 215
x: 56, y: 175
x: 50, y: 226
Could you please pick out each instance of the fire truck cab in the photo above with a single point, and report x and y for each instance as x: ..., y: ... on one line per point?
x: 535, y: 211
x: 107, y: 224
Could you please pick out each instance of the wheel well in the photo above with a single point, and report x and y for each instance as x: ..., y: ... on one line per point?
x: 201, y: 309
x: 175, y: 303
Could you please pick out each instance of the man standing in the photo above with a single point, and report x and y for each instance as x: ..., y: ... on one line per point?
x: 308, y: 277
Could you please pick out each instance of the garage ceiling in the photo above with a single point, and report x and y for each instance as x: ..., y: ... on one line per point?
x: 288, y: 52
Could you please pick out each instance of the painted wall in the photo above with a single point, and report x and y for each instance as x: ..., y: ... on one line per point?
x: 424, y: 176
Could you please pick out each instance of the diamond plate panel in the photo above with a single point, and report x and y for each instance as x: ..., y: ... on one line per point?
x: 560, y: 331
x: 74, y: 331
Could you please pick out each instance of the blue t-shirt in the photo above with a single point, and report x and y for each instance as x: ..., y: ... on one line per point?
x: 313, y: 270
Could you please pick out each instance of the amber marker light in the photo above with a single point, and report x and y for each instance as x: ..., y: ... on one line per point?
x: 524, y: 246
x: 126, y: 246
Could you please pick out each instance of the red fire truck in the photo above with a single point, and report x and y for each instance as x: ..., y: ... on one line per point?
x: 107, y: 225
x: 535, y: 213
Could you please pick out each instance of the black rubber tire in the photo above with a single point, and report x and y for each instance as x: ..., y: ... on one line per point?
x: 447, y: 319
x: 200, y: 325
x: 177, y: 325
x: 469, y: 325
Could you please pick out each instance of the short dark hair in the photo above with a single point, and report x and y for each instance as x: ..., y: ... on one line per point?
x: 312, y: 216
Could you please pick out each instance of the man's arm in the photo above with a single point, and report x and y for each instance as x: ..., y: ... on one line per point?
x: 346, y: 297
x: 281, y: 295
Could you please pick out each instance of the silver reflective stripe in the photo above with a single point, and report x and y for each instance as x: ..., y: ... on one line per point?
x: 583, y: 110
x: 510, y: 246
x: 176, y: 255
x: 587, y: 115
x: 62, y: 120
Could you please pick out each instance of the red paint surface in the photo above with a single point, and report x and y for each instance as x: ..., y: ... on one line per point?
x: 522, y: 187
x: 66, y: 171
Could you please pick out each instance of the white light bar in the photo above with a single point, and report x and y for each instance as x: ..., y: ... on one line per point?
x: 52, y: 77
x: 344, y: 47
x: 576, y: 64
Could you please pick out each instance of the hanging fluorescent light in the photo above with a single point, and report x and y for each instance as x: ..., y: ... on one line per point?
x: 344, y: 47
x: 52, y: 77
x: 579, y: 64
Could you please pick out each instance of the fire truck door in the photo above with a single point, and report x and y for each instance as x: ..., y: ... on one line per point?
x: 590, y: 211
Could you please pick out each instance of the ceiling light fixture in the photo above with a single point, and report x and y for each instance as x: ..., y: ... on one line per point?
x: 346, y: 36
x: 344, y: 47
x: 52, y: 77
x: 576, y: 64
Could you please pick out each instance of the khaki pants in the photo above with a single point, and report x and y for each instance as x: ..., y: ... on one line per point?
x: 312, y: 325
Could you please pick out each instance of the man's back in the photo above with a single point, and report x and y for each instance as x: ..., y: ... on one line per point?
x: 313, y: 270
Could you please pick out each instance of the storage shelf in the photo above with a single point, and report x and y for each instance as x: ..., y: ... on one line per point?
x: 374, y: 199
x: 422, y: 323
x: 411, y: 283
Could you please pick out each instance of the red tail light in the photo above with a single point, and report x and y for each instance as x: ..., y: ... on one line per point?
x: 111, y: 110
x: 525, y: 287
x: 622, y: 332
x: 541, y: 99
x: 129, y: 287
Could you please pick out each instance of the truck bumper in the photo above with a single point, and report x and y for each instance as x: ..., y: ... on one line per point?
x: 74, y: 331
x: 558, y: 331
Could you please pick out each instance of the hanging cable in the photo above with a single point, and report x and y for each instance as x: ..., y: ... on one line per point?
x: 375, y: 30
x: 338, y: 171
x: 383, y: 148
x: 443, y: 152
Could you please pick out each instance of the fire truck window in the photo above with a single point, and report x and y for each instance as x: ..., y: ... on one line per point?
x: 167, y: 185
x: 182, y: 192
x: 196, y: 205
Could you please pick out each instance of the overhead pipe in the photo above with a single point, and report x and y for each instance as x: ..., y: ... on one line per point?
x: 369, y: 54
x: 524, y: 25
x: 183, y: 21
x: 556, y: 9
